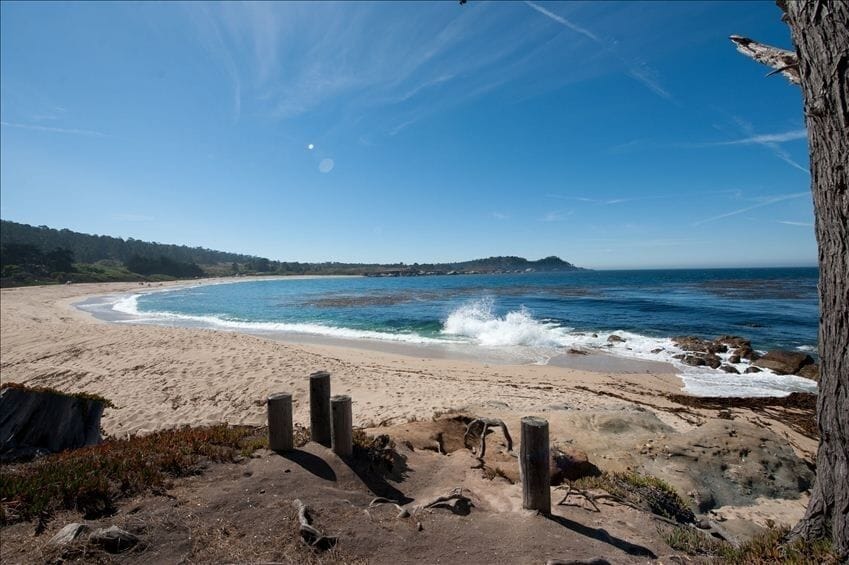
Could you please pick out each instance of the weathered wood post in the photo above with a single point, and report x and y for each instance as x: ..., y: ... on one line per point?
x: 342, y: 436
x: 534, y: 465
x: 280, y: 430
x: 320, y: 407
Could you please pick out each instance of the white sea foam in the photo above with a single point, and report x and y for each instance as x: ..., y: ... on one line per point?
x: 517, y: 334
x: 477, y: 322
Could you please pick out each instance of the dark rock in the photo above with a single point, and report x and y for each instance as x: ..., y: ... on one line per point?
x: 574, y: 351
x: 113, y: 539
x: 658, y: 350
x: 615, y: 339
x: 694, y: 360
x: 679, y: 356
x: 690, y: 343
x: 68, y: 534
x: 752, y: 370
x: 730, y: 369
x: 32, y: 421
x: 569, y: 464
x: 734, y: 358
x: 698, y: 345
x: 784, y: 362
x: 811, y: 371
x: 713, y: 361
x: 734, y: 341
x: 748, y: 353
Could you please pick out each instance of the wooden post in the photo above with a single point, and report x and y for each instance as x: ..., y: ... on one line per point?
x: 342, y: 440
x: 320, y: 407
x: 534, y: 465
x: 280, y: 431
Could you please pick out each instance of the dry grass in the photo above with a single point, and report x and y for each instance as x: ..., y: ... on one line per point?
x: 91, y: 479
x: 767, y: 548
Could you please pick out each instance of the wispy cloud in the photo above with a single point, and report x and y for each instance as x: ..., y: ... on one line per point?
x: 800, y: 224
x: 72, y: 131
x: 648, y: 76
x: 763, y: 139
x: 563, y: 21
x: 766, y: 201
x: 637, y: 69
x: 555, y: 216
x: 499, y: 216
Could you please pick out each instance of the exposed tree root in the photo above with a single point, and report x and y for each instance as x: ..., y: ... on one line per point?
x: 485, y: 424
x: 570, y: 488
x: 312, y: 536
x: 456, y: 501
x: 402, y: 512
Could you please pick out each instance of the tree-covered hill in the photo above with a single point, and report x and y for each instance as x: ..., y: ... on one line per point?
x: 92, y: 248
x: 41, y: 255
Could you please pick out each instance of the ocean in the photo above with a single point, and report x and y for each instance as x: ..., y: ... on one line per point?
x: 519, y: 318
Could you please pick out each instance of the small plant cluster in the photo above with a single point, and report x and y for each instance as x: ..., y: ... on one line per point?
x: 91, y: 479
x: 643, y: 491
x: 42, y: 389
x: 766, y: 548
x: 378, y: 452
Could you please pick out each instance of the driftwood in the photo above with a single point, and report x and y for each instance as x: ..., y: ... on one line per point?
x: 455, y: 501
x: 402, y: 512
x: 311, y: 535
x: 783, y: 61
x: 485, y: 424
x: 569, y: 488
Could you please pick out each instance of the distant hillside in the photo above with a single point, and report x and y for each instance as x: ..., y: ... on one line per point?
x: 42, y: 255
x: 92, y: 248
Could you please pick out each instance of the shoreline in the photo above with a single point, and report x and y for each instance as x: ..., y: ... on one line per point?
x: 621, y: 352
x: 48, y: 341
x: 162, y: 377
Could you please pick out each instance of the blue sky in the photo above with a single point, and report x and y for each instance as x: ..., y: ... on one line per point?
x: 614, y: 135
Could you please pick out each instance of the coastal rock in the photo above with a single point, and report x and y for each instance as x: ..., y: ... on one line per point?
x: 570, y: 464
x: 734, y: 358
x: 713, y: 361
x: 748, y: 353
x: 657, y: 350
x: 694, y: 360
x: 698, y: 345
x: 811, y: 371
x: 690, y: 343
x: 734, y: 341
x: 730, y: 369
x: 68, y: 534
x: 113, y: 539
x: 35, y: 420
x: 752, y: 370
x: 784, y: 362
x: 615, y: 339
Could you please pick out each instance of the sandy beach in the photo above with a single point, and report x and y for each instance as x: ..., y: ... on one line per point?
x: 163, y: 377
x: 160, y: 377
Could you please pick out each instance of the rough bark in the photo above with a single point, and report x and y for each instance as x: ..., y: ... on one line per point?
x: 821, y: 34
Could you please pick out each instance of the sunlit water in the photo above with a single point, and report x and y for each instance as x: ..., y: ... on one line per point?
x: 524, y: 318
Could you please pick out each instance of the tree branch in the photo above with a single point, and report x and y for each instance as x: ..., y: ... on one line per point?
x: 783, y: 61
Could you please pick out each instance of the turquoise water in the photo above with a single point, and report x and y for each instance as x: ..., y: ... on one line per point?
x: 531, y: 317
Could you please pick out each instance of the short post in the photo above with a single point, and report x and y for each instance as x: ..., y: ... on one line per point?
x: 342, y: 437
x: 534, y: 465
x: 320, y: 407
x: 280, y: 431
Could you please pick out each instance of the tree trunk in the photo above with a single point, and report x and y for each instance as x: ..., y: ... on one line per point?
x: 820, y: 31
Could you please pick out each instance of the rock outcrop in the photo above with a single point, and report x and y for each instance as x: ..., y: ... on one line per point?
x: 784, y: 362
x: 40, y: 421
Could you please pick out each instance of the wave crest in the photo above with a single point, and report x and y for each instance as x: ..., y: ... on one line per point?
x: 478, y: 321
